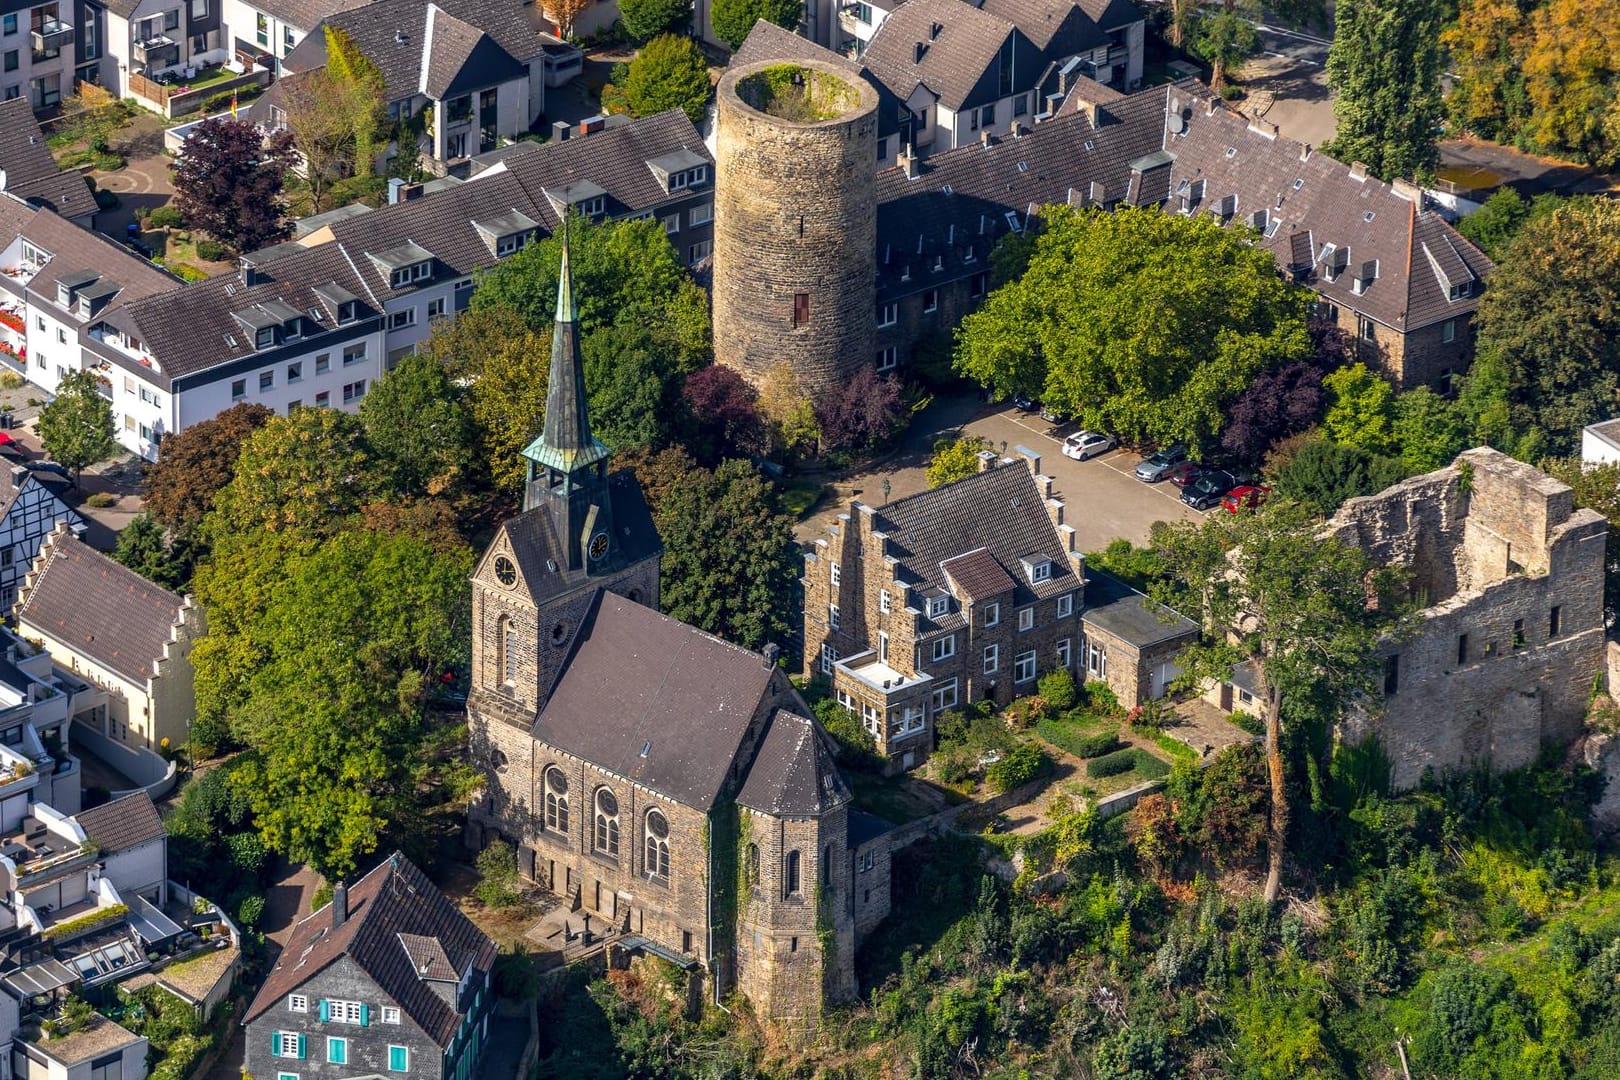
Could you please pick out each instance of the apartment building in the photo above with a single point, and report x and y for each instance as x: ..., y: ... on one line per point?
x: 146, y: 39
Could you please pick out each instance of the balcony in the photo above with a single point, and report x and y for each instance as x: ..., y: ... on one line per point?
x: 866, y: 668
x: 52, y: 35
x: 157, y: 52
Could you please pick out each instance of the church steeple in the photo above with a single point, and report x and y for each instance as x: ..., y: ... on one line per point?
x: 567, y: 464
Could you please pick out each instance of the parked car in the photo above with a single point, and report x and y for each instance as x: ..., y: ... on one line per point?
x: 53, y: 468
x: 1051, y: 415
x: 1087, y: 444
x: 1025, y: 403
x: 1184, y: 473
x: 1245, y: 497
x: 1157, y: 465
x: 1206, y: 491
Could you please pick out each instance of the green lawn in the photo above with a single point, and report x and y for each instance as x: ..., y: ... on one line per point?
x: 799, y: 499
x: 1067, y: 730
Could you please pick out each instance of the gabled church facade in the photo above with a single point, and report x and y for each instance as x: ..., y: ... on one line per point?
x: 667, y: 782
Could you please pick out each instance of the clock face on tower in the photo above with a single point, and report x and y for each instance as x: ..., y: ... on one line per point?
x: 505, y: 572
x: 599, y: 546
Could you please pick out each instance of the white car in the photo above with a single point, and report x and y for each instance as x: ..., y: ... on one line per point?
x: 1087, y: 444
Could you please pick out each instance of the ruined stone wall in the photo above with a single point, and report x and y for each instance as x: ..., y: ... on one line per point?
x: 795, y: 216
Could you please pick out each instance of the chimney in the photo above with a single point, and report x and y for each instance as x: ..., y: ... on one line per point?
x: 1407, y: 190
x: 1305, y: 152
x: 769, y: 655
x: 409, y: 192
x: 908, y: 161
x: 394, y: 184
x: 560, y: 130
x: 1017, y: 129
x: 340, y: 905
x: 984, y: 140
x: 1089, y: 108
x: 248, y: 274
x: 19, y: 476
x: 1358, y: 171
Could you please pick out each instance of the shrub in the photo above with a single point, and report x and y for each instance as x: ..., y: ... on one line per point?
x: 212, y: 250
x: 955, y: 765
x: 1058, y: 688
x: 856, y: 747
x: 1101, y: 697
x: 1020, y: 765
x: 102, y: 499
x: 322, y: 896
x: 497, y: 871
x: 1095, y: 746
x: 1114, y: 764
x: 163, y: 217
x: 249, y: 912
x: 515, y: 976
x: 106, y: 200
x: 1022, y: 713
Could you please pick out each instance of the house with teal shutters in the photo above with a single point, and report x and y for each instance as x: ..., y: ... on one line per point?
x: 390, y: 980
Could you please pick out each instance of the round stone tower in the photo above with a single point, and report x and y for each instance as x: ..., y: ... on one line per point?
x: 795, y: 221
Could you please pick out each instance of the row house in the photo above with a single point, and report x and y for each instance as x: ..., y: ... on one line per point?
x: 269, y: 30
x: 1385, y: 266
x: 45, y: 47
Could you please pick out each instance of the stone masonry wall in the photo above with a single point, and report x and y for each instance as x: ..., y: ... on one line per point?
x: 795, y: 214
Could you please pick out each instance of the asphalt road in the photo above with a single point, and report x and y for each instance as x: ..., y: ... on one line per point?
x: 1295, y: 45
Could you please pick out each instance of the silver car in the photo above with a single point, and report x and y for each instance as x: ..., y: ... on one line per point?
x: 1157, y: 465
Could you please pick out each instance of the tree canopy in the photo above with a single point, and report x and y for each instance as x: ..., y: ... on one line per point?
x: 76, y: 427
x: 228, y: 181
x: 955, y: 459
x: 196, y: 462
x: 418, y: 427
x: 1102, y: 326
x: 646, y: 19
x: 1385, y: 66
x: 733, y: 19
x: 669, y: 72
x: 1497, y: 222
x: 302, y: 473
x: 1323, y: 474
x: 1549, y: 330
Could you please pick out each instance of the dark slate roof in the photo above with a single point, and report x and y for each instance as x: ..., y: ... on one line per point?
x: 1115, y: 607
x: 99, y: 607
x: 793, y: 774
x: 393, y: 900
x: 30, y: 171
x: 864, y: 828
x: 955, y: 59
x: 977, y: 575
x: 541, y: 555
x: 956, y: 208
x: 1306, y: 192
x: 767, y: 41
x: 1111, y: 14
x: 1058, y: 28
x: 395, y: 35
x: 1000, y: 511
x: 305, y: 15
x: 122, y: 824
x: 75, y: 250
x: 654, y: 700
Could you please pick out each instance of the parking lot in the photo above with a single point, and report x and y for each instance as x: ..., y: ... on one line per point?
x: 1103, y: 500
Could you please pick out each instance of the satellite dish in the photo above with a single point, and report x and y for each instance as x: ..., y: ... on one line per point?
x: 1177, y: 123
x: 1175, y: 105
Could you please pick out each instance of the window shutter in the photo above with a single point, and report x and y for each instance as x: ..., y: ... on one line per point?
x: 275, y: 1044
x: 300, y: 1047
x: 365, y: 1015
x: 326, y: 1011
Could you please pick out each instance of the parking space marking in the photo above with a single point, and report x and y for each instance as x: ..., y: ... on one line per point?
x: 1107, y: 460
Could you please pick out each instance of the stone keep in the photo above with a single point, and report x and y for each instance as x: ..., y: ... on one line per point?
x: 795, y: 222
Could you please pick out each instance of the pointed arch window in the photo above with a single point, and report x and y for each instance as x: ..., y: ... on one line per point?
x: 607, y: 823
x: 506, y: 648
x: 751, y: 865
x: 657, y: 841
x: 556, y: 785
x: 790, y: 874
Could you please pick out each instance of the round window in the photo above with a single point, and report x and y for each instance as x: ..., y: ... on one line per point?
x: 607, y: 804
x: 657, y: 825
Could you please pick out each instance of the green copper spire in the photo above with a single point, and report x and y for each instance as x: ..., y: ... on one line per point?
x: 566, y: 443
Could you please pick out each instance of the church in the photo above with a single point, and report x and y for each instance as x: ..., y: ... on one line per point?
x: 668, y: 783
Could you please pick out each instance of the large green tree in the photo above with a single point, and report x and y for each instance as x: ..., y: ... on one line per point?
x: 353, y: 638
x: 1323, y: 474
x: 76, y: 427
x: 1292, y: 602
x: 635, y: 392
x: 1103, y: 326
x: 669, y: 72
x: 303, y: 473
x: 418, y: 427
x: 142, y: 548
x: 646, y: 19
x: 732, y: 19
x: 1385, y: 66
x: 196, y: 462
x: 1225, y: 38
x: 729, y: 563
x: 1549, y: 329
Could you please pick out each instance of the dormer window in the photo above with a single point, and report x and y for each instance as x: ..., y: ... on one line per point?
x: 510, y: 245
x: 592, y: 207
x: 348, y: 311
x: 292, y: 329
x: 265, y: 338
x: 405, y: 275
x: 1462, y: 290
x: 938, y: 606
x: 1037, y: 568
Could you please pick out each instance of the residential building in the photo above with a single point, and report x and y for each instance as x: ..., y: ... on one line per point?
x: 45, y: 46
x: 100, y: 1050
x: 120, y: 631
x: 29, y: 171
x: 388, y: 979
x: 1600, y: 443
x: 29, y: 512
x: 268, y: 30
x: 131, y: 843
x: 963, y: 593
x: 623, y: 748
x: 473, y: 72
x: 38, y: 703
x: 1131, y: 641
x: 150, y: 38
x: 1510, y: 636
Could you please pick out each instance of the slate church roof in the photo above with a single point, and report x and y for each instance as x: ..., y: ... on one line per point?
x: 793, y: 774
x: 397, y: 919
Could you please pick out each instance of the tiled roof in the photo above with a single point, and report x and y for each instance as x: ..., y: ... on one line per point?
x: 428, y: 958
x: 999, y: 511
x: 864, y: 828
x: 793, y: 774
x: 541, y: 555
x: 305, y: 15
x: 654, y: 700
x: 30, y: 171
x: 954, y: 211
x: 960, y: 44
x: 394, y: 899
x: 98, y: 607
x: 1111, y: 14
x: 1058, y: 27
x: 401, y: 39
x: 122, y: 824
x: 1315, y: 202
x: 75, y: 250
x: 977, y: 575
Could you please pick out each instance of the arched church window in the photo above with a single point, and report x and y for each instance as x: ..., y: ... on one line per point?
x: 507, y: 649
x: 790, y: 874
x: 751, y: 865
x: 607, y: 822
x: 556, y: 800
x: 657, y: 844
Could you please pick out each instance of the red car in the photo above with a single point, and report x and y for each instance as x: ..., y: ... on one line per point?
x: 1247, y: 497
x: 1185, y: 473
